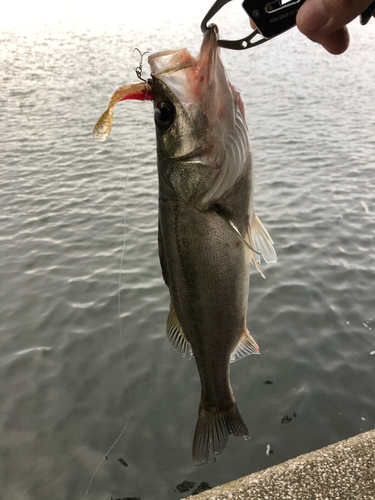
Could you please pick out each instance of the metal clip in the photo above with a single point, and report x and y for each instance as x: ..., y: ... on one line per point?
x: 271, y: 18
x: 244, y: 43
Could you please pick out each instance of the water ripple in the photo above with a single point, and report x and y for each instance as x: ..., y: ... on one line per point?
x: 64, y: 198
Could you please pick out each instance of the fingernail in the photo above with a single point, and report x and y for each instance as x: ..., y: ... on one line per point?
x: 313, y: 16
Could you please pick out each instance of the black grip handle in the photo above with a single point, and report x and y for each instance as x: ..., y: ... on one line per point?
x: 366, y: 15
x: 272, y: 17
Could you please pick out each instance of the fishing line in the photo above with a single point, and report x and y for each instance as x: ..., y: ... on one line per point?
x: 105, y: 457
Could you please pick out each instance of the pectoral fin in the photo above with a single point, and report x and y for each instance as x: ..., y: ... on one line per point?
x: 176, y: 335
x: 257, y: 236
x: 233, y: 226
x: 256, y: 239
x: 162, y: 258
x: 262, y: 241
x: 245, y: 346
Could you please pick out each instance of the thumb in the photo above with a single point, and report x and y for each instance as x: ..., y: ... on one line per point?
x: 317, y: 18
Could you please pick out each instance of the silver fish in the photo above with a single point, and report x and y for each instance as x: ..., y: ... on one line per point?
x: 209, y: 233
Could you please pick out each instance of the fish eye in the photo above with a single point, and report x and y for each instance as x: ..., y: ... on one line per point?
x: 164, y: 114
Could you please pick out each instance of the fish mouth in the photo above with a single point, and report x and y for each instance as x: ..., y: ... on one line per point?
x: 210, y: 46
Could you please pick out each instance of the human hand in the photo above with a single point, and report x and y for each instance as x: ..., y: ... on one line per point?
x: 324, y: 21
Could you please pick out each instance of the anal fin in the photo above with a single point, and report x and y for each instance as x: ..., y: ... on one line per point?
x: 176, y: 336
x: 245, y: 347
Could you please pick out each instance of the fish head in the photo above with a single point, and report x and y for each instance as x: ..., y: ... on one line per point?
x: 178, y: 123
x: 202, y: 138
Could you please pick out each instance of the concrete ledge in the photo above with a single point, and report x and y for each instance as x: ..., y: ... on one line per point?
x: 341, y: 471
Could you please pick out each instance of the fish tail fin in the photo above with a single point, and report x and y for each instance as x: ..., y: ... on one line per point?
x: 212, y: 431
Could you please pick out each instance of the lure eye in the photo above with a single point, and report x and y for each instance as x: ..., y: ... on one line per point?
x: 164, y: 115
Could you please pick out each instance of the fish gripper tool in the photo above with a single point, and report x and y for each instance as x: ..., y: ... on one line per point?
x: 270, y: 17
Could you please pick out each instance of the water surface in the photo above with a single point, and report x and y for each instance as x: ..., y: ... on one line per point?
x: 65, y: 393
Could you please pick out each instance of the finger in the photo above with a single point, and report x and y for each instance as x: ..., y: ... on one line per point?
x: 252, y: 24
x: 336, y: 42
x: 317, y: 18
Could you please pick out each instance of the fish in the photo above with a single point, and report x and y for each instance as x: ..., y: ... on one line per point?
x: 208, y: 232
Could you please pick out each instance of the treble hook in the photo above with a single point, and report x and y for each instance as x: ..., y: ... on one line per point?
x: 138, y: 70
